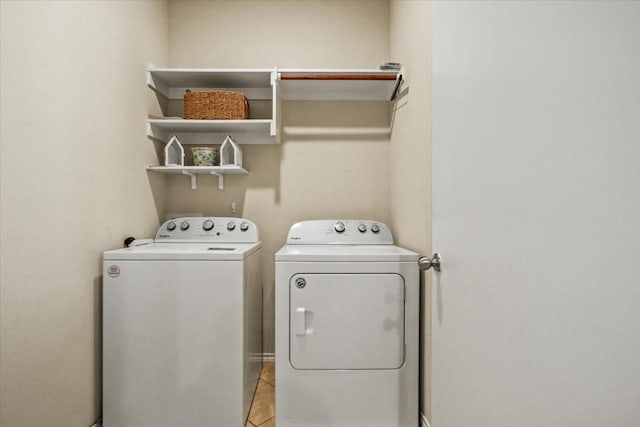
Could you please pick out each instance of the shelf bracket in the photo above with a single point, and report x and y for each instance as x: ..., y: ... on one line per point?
x: 194, y: 179
x: 396, y: 88
x: 275, y: 104
x: 220, y: 180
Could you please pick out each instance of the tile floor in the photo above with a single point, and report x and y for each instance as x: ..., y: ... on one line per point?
x: 263, y: 407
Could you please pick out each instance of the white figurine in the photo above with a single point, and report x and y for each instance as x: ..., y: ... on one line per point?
x: 230, y: 153
x: 173, y: 153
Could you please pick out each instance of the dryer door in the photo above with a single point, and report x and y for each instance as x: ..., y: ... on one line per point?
x: 346, y: 321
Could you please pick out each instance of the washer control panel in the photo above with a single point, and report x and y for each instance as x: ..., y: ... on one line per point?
x: 339, y: 231
x: 208, y: 229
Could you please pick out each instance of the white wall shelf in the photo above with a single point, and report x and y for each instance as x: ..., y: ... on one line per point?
x: 251, y: 131
x: 266, y: 84
x: 172, y: 82
x: 338, y: 85
x: 194, y: 171
x: 296, y: 84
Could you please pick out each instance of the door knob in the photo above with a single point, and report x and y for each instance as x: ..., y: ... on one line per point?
x: 425, y: 263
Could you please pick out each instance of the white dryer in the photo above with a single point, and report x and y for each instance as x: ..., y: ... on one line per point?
x: 182, y: 326
x: 347, y: 322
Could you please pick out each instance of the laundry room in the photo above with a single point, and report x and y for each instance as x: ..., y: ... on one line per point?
x: 78, y: 177
x: 453, y: 182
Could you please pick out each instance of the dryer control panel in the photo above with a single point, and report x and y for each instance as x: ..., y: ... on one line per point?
x: 339, y: 232
x: 208, y: 229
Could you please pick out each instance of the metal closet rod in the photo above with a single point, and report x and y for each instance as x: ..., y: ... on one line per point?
x: 296, y: 76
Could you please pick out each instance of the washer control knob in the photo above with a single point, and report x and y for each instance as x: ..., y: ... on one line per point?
x: 171, y: 226
x: 375, y: 228
x: 362, y: 228
x: 184, y: 225
x: 244, y: 226
x: 339, y: 227
x: 231, y: 226
x: 207, y: 225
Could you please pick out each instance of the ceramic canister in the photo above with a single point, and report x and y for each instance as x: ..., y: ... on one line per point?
x: 204, y: 156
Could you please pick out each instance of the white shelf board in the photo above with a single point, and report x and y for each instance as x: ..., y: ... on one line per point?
x: 200, y: 170
x: 208, y: 126
x: 250, y: 131
x: 162, y: 80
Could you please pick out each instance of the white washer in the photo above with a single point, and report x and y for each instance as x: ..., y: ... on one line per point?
x: 182, y: 326
x: 347, y: 322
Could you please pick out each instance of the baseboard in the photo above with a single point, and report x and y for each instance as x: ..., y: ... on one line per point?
x: 424, y: 422
x: 97, y: 424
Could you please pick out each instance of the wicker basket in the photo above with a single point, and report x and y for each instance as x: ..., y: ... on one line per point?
x: 215, y: 105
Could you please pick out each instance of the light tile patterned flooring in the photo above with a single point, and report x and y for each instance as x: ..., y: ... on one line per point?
x: 263, y: 407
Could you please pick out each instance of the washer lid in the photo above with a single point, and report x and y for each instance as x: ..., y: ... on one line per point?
x: 185, y: 251
x: 337, y: 253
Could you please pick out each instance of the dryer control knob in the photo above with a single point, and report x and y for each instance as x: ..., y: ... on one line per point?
x: 231, y: 226
x: 207, y: 225
x: 244, y: 226
x: 375, y: 228
x: 171, y: 226
x: 339, y: 227
x: 362, y: 228
x: 184, y: 225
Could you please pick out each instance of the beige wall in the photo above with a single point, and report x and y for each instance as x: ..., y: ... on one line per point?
x: 86, y: 189
x: 410, y: 153
x: 73, y: 149
x: 307, y: 176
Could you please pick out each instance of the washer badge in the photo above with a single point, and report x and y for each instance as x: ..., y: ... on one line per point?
x: 113, y: 271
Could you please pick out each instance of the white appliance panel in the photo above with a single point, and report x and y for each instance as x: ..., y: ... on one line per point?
x: 346, y: 321
x: 153, y: 344
x: 251, y: 331
x: 347, y: 314
x: 182, y: 336
x: 347, y: 398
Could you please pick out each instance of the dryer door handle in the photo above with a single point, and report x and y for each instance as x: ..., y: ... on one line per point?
x: 301, y: 321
